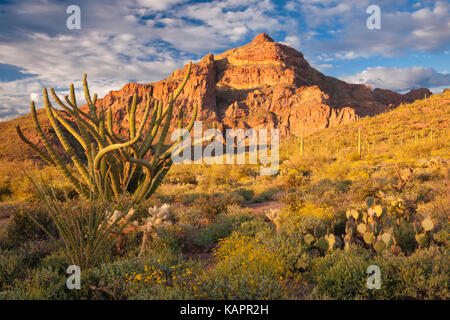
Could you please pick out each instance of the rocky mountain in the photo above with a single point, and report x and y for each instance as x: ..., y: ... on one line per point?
x: 263, y: 84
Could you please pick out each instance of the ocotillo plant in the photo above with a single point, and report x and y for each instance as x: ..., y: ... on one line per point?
x: 112, y: 162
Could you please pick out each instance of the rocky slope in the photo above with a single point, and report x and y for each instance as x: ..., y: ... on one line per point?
x: 263, y: 84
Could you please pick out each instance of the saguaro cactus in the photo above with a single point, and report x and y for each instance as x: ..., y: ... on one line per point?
x: 111, y: 162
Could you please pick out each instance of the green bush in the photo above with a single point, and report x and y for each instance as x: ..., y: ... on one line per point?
x: 342, y: 274
x: 11, y: 267
x: 22, y: 228
x: 256, y: 228
x: 208, y: 237
x: 210, y: 206
x: 404, y: 234
x: 425, y: 274
x: 245, y: 269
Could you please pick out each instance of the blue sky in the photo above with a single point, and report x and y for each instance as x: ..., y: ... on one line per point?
x: 145, y: 40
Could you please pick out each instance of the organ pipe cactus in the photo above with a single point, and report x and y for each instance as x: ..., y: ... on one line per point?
x: 111, y: 162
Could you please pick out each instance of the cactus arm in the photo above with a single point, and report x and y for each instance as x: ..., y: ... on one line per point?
x: 74, y: 113
x: 165, y: 129
x: 73, y: 98
x: 78, y: 110
x: 70, y: 129
x: 166, y: 154
x: 141, y: 190
x: 180, y: 88
x: 87, y: 95
x: 34, y: 147
x: 162, y: 113
x: 159, y: 119
x: 110, y: 148
x: 132, y: 116
x: 147, y: 140
x: 63, y: 139
x: 70, y: 103
x: 158, y: 180
x: 144, y: 118
x: 186, y: 77
x: 56, y: 159
x: 109, y: 125
x: 101, y: 132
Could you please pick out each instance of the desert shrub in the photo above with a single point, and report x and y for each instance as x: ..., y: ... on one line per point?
x: 256, y: 228
x: 354, y: 156
x: 210, y: 205
x: 188, y: 216
x: 49, y: 283
x: 294, y: 178
x: 5, y: 192
x: 170, y: 237
x: 43, y: 284
x: 266, y: 195
x: 22, y: 228
x: 289, y: 241
x: 54, y: 261
x: 289, y: 249
x: 404, y: 234
x: 86, y: 228
x: 244, y: 193
x: 245, y: 269
x: 342, y: 274
x: 424, y: 274
x: 208, y: 236
x: 158, y: 280
x: 239, y: 215
x: 11, y: 267
x: 181, y: 177
x: 295, y: 204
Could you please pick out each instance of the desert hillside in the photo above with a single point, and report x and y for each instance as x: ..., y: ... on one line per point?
x: 235, y: 234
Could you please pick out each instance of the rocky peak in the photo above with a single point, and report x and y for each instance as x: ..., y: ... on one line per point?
x: 264, y: 84
x: 263, y: 37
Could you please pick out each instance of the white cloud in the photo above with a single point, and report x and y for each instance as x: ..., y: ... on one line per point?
x: 145, y: 40
x: 159, y: 4
x: 347, y: 55
x: 293, y: 41
x: 118, y: 41
x: 421, y: 29
x: 399, y: 79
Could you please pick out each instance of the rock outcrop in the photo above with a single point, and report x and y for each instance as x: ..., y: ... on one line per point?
x: 264, y: 84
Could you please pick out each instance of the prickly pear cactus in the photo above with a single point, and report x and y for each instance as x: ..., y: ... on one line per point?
x: 379, y: 247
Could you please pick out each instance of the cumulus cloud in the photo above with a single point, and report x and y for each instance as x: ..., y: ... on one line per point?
x: 120, y: 41
x: 399, y: 79
x: 422, y: 29
x: 145, y: 40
